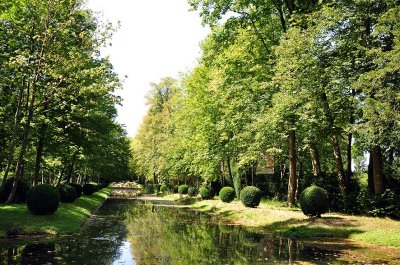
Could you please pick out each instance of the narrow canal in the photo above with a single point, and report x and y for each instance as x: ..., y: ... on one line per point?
x: 153, y: 232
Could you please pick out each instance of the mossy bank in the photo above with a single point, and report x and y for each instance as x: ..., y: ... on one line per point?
x: 15, y: 219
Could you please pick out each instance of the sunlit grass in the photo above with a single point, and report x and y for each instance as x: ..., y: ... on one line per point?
x: 275, y: 217
x: 69, y: 217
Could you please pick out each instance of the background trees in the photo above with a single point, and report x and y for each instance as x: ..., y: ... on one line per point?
x: 58, y: 107
x: 309, y: 86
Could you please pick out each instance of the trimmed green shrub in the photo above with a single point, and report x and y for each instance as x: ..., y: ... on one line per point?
x: 164, y: 188
x: 43, y: 199
x: 227, y: 194
x: 67, y: 193
x: 22, y: 190
x: 192, y: 191
x: 314, y: 201
x: 88, y: 189
x: 250, y: 196
x: 78, y: 189
x: 183, y: 189
x: 175, y: 189
x: 206, y: 193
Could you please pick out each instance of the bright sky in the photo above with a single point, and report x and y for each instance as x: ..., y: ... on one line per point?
x: 157, y: 38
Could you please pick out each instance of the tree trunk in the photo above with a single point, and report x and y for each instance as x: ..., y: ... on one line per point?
x: 20, y: 162
x: 13, y: 136
x: 377, y: 169
x: 316, y: 165
x: 61, y: 175
x: 71, y: 169
x: 222, y: 174
x: 39, y: 153
x: 335, y: 146
x: 292, y: 185
x: 370, y: 175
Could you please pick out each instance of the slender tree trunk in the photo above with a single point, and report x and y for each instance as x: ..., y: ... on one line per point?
x: 336, y: 147
x: 370, y: 175
x: 300, y: 176
x: 61, y: 175
x: 14, y: 135
x: 316, y: 165
x: 222, y: 174
x: 377, y: 169
x: 292, y: 185
x: 281, y: 15
x: 39, y: 154
x: 20, y: 162
x: 71, y: 169
x: 350, y: 142
x: 230, y: 170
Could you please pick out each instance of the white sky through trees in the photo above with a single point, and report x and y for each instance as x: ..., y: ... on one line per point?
x: 157, y: 38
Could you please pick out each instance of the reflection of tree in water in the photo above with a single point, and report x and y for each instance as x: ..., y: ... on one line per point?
x: 97, y: 244
x: 164, y: 235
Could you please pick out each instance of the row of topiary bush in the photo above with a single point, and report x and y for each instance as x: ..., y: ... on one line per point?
x: 44, y: 199
x: 313, y: 200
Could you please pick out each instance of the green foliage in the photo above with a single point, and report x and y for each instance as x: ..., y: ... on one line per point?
x: 183, y: 189
x: 164, y: 188
x: 250, y: 196
x: 149, y: 188
x: 68, y: 193
x: 385, y: 204
x: 89, y: 189
x: 43, y: 199
x: 206, y: 193
x: 193, y: 191
x: 227, y: 194
x: 314, y: 201
x: 78, y: 189
x: 157, y: 188
x: 21, y: 193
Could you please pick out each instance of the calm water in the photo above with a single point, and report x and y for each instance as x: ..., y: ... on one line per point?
x: 135, y: 232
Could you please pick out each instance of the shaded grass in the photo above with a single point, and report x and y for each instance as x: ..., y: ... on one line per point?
x: 69, y: 217
x: 291, y: 222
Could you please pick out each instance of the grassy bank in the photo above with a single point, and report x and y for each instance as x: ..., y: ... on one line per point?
x: 273, y: 217
x: 69, y: 217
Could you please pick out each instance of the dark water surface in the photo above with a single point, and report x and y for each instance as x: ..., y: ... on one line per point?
x: 137, y: 232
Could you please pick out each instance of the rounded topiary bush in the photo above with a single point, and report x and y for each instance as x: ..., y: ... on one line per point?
x: 78, y: 189
x: 314, y: 201
x: 175, y: 188
x: 227, y: 194
x: 192, y: 191
x: 164, y: 188
x: 22, y: 190
x: 206, y: 193
x: 88, y: 189
x: 250, y: 196
x: 43, y: 199
x: 67, y: 193
x: 183, y: 189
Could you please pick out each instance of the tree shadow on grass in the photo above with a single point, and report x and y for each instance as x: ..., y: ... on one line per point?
x: 326, y: 227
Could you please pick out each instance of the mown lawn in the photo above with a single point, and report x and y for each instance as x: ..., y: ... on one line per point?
x: 69, y: 217
x: 291, y: 222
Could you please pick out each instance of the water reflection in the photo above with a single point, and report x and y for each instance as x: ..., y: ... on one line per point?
x: 133, y: 232
x: 164, y: 235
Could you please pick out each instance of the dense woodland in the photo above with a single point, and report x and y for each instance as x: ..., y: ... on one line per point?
x: 308, y: 90
x: 57, y: 101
